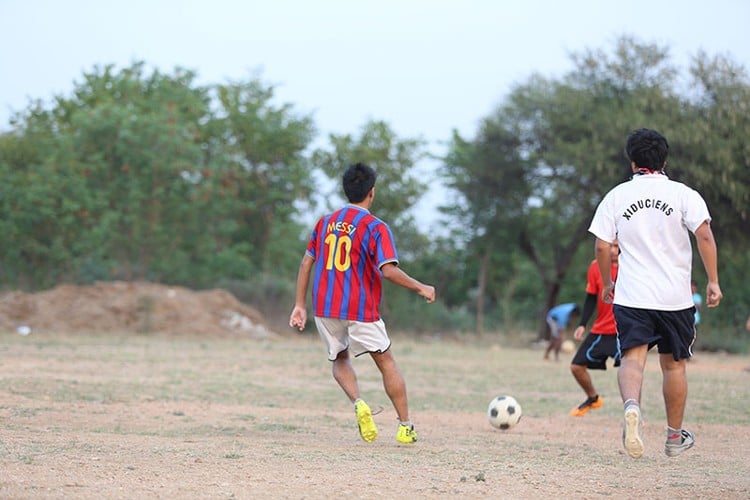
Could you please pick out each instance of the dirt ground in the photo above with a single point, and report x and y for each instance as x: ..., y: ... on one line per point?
x: 130, y: 307
x: 242, y: 412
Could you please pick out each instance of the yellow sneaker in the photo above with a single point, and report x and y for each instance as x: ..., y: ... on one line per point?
x: 406, y: 434
x: 367, y: 428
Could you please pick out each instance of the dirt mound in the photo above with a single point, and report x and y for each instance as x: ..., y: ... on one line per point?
x: 130, y: 307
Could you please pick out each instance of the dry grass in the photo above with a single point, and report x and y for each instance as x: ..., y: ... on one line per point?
x: 171, y: 417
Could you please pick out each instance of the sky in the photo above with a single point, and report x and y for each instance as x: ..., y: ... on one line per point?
x: 424, y: 67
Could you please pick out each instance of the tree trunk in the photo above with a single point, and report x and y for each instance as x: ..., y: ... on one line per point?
x: 481, y: 290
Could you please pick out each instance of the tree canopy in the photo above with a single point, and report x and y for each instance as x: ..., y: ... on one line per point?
x: 144, y: 175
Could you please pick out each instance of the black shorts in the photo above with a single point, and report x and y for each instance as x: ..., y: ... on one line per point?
x: 672, y: 331
x: 595, y: 349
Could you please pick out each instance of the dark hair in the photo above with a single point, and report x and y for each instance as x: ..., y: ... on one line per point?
x: 647, y: 149
x: 358, y: 180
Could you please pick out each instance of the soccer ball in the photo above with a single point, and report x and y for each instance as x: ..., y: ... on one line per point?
x: 504, y: 412
x: 568, y: 346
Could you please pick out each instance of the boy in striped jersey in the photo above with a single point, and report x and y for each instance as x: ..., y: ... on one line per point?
x: 349, y: 251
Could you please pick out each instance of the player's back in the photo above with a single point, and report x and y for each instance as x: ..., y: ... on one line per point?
x: 652, y: 215
x: 349, y: 246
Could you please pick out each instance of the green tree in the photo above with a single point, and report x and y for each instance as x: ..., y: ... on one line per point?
x: 40, y: 226
x: 257, y: 151
x: 710, y: 145
x: 145, y: 175
x: 569, y: 137
x: 491, y: 174
x: 134, y: 139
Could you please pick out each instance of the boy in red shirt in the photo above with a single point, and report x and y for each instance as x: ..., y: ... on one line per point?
x: 601, y: 343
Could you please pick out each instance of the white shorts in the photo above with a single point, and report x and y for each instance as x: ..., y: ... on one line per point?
x: 357, y: 336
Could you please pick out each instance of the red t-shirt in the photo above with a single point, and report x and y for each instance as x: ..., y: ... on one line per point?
x: 605, y: 318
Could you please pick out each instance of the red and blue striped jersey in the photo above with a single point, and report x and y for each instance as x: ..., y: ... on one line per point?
x: 349, y: 246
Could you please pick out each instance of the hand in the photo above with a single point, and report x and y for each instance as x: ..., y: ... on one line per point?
x: 713, y: 294
x: 428, y: 292
x: 608, y: 293
x: 298, y: 318
x: 578, y: 333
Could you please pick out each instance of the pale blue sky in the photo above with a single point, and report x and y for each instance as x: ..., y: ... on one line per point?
x: 425, y: 67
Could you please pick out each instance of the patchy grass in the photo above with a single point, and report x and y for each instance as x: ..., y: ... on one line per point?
x: 94, y: 416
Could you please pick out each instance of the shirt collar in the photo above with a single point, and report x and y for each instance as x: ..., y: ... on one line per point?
x: 661, y: 176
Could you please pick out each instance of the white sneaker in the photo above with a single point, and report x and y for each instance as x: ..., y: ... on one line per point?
x: 687, y: 442
x: 631, y: 433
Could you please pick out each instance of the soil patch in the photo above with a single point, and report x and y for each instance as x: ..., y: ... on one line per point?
x: 130, y: 307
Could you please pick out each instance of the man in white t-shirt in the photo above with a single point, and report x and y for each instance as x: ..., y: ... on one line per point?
x: 651, y: 217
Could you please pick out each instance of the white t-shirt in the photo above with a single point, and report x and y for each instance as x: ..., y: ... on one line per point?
x: 650, y: 217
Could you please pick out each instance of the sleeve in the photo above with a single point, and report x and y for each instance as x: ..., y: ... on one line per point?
x: 589, y: 305
x: 312, y: 249
x: 696, y: 210
x: 385, y: 247
x: 603, y: 224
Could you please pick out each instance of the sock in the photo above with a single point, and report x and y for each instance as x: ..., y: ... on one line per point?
x: 407, y: 423
x: 631, y: 402
x: 356, y: 401
x: 674, y: 435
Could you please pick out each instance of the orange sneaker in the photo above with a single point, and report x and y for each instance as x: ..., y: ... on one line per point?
x: 589, y: 404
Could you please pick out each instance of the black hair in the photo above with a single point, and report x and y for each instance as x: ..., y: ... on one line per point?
x: 358, y: 180
x: 647, y: 148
